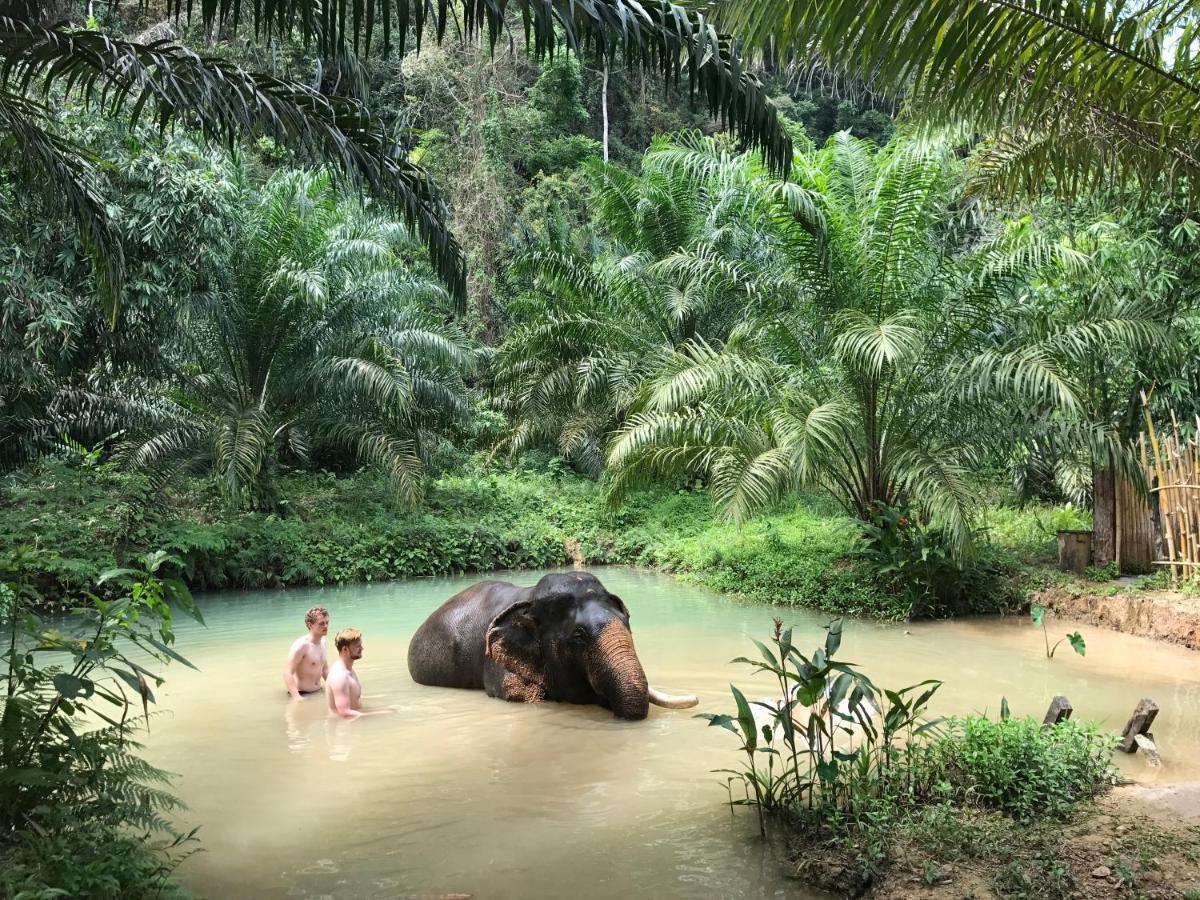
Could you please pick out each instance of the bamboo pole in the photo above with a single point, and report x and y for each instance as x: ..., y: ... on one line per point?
x: 1164, y: 499
x: 1180, y: 474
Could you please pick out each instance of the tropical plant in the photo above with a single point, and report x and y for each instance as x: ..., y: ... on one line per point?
x: 1089, y: 92
x: 325, y: 341
x: 653, y: 36
x: 847, y: 767
x: 72, y: 698
x: 1134, y: 291
x: 1037, y: 615
x: 170, y: 203
x: 886, y: 379
x: 670, y: 262
x: 224, y: 101
x: 832, y: 743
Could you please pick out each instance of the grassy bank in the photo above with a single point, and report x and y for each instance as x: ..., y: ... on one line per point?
x: 337, y: 530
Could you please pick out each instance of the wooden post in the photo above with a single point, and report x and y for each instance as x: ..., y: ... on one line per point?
x: 1074, y: 551
x: 1139, y: 723
x: 1060, y: 710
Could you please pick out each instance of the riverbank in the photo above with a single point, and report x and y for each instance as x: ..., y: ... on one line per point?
x: 1131, y: 606
x: 335, y: 530
x: 1135, y: 841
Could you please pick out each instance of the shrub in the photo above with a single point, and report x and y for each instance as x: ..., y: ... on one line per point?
x: 846, y: 765
x: 913, y: 562
x: 88, y: 859
x: 1020, y: 767
x: 71, y: 784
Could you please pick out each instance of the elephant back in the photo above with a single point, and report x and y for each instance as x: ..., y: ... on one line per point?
x: 448, y: 649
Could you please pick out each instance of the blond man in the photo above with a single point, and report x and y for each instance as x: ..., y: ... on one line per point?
x: 308, y: 660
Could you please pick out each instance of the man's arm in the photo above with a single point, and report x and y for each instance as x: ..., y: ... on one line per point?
x: 324, y: 662
x: 291, y: 676
x: 339, y: 690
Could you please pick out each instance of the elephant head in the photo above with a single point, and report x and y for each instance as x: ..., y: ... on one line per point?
x: 567, y: 638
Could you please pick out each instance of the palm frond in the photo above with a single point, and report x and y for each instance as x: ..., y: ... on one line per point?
x: 656, y: 35
x: 1094, y: 90
x: 69, y: 175
x: 174, y: 85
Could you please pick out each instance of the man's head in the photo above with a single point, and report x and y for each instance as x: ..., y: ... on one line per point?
x: 317, y: 621
x: 349, y: 641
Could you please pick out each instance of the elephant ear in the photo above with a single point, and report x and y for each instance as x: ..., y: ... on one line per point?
x: 620, y: 604
x: 514, y: 641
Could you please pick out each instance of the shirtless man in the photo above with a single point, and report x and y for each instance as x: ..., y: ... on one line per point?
x: 307, y: 662
x: 344, y: 689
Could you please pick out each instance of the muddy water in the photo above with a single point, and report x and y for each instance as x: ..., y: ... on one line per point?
x: 460, y: 793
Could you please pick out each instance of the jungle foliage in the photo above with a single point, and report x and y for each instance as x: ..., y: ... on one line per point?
x: 81, y: 814
x: 300, y: 293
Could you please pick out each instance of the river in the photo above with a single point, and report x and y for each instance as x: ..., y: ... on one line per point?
x: 460, y: 793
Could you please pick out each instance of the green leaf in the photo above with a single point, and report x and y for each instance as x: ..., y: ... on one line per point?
x: 1077, y: 643
x: 163, y: 648
x: 827, y: 770
x: 721, y: 720
x: 833, y: 638
x: 1036, y: 614
x: 767, y: 654
x: 113, y: 574
x: 745, y: 719
x: 1005, y: 713
x: 70, y: 686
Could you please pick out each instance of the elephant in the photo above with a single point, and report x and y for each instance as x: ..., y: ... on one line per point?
x: 566, y: 638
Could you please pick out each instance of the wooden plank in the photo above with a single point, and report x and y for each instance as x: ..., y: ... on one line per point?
x: 1139, y: 723
x: 1135, y: 531
x: 1146, y: 744
x: 1060, y: 710
x: 1160, y: 474
x: 1074, y: 551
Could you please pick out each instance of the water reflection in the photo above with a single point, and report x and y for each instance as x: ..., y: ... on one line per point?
x: 338, y: 741
x: 299, y: 720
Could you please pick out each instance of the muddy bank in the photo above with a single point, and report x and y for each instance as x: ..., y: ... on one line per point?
x: 1137, y: 841
x: 1163, y: 615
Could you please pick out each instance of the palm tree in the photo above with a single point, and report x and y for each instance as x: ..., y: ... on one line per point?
x: 323, y: 340
x: 1131, y: 291
x: 1085, y: 91
x: 893, y: 373
x: 172, y: 85
x: 672, y: 264
x: 223, y: 101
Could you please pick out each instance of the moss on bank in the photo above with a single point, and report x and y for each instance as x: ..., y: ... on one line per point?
x: 337, y: 530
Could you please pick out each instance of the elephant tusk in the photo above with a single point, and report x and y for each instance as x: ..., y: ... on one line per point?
x: 673, y: 701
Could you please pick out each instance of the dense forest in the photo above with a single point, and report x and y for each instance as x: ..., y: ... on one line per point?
x: 304, y: 294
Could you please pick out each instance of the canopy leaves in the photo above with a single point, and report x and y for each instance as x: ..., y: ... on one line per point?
x: 654, y: 35
x: 1084, y: 91
x: 173, y: 85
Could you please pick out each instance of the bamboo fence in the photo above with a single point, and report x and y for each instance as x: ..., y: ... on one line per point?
x: 1173, y: 472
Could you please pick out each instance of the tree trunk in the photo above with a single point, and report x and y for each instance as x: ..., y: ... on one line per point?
x: 604, y: 109
x: 1104, y: 517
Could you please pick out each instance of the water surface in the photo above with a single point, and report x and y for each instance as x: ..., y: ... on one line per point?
x: 461, y: 793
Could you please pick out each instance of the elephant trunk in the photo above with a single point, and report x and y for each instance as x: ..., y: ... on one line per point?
x: 616, y: 674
